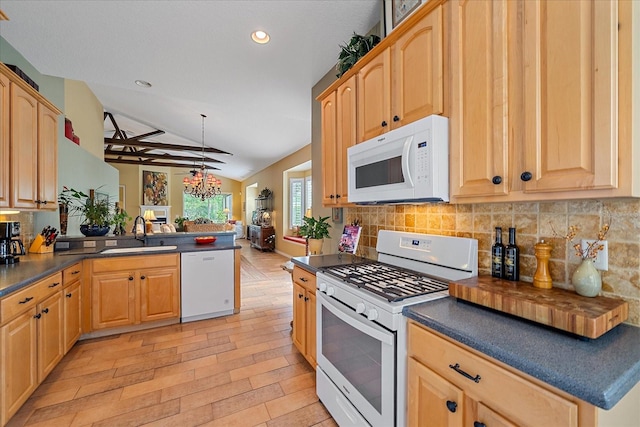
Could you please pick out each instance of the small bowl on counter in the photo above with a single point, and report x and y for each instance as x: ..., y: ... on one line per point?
x: 205, y: 240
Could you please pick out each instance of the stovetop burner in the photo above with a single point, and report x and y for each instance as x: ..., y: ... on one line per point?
x: 388, y: 281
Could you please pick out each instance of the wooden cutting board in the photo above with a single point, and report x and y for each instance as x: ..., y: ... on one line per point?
x: 558, y: 308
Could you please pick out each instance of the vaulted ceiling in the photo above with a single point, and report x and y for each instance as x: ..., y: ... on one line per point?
x: 200, y: 59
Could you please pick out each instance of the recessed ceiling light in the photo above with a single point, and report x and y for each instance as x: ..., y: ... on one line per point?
x: 260, y: 37
x: 143, y: 83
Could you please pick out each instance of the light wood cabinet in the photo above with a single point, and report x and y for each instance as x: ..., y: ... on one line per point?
x: 5, y: 100
x: 451, y: 385
x: 127, y: 291
x: 338, y: 134
x: 404, y: 82
x: 304, y: 313
x: 540, y: 104
x: 72, y: 303
x: 30, y: 341
x: 30, y: 127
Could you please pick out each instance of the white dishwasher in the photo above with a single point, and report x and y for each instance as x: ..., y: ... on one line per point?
x: 207, y: 283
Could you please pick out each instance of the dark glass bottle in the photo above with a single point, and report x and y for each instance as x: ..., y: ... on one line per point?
x: 512, y: 258
x: 497, y: 255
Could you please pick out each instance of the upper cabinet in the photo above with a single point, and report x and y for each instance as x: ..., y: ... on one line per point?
x: 541, y: 103
x: 30, y: 177
x: 404, y: 82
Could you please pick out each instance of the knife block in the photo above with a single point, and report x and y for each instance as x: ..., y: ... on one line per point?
x: 38, y: 246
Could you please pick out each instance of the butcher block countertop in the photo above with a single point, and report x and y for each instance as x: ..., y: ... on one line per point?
x: 599, y: 371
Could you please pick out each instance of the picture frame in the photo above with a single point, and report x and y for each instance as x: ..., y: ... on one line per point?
x: 395, y: 11
x: 155, y: 188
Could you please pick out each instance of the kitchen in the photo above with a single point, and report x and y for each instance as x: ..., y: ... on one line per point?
x: 530, y: 217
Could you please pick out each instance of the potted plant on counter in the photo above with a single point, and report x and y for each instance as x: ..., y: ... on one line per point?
x: 315, y: 230
x: 96, y: 217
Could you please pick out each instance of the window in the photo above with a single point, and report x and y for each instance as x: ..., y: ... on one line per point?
x: 212, y: 208
x: 300, y: 197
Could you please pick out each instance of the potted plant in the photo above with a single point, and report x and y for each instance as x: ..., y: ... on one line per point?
x: 315, y: 230
x: 357, y: 47
x: 95, y: 214
x: 180, y: 220
x: 120, y: 218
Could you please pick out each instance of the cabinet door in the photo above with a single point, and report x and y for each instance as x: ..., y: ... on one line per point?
x: 160, y: 294
x: 486, y: 416
x: 24, y: 148
x: 18, y: 363
x: 299, y: 318
x: 418, y: 73
x: 47, y: 158
x: 72, y: 329
x: 50, y: 334
x: 346, y: 125
x: 479, y: 125
x: 4, y: 141
x: 571, y: 69
x: 374, y: 96
x: 112, y: 300
x: 329, y: 144
x: 311, y: 328
x: 432, y: 400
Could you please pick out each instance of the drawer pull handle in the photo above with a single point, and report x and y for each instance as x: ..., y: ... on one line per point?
x: 456, y: 368
x: 479, y: 424
x: 452, y: 406
x: 54, y: 284
x: 45, y: 311
x: 26, y: 300
x: 69, y: 295
x: 303, y: 279
x: 75, y: 272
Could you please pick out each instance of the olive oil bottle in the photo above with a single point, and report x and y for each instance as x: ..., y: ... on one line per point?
x: 512, y: 258
x: 497, y: 255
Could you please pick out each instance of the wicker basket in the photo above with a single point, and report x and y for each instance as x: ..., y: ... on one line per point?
x: 189, y: 226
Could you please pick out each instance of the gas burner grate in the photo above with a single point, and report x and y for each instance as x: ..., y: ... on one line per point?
x: 388, y: 281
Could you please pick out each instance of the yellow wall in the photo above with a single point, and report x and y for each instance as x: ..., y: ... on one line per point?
x: 272, y: 178
x: 86, y: 114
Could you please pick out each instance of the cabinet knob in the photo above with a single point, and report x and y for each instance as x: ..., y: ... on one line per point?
x: 396, y: 118
x: 526, y: 176
x: 130, y: 277
x: 331, y: 196
x: 306, y: 298
x: 69, y: 295
x: 45, y: 311
x: 497, y: 180
x: 383, y: 124
x: 452, y: 406
x: 37, y: 316
x: 479, y: 424
x: 300, y: 295
x: 143, y: 277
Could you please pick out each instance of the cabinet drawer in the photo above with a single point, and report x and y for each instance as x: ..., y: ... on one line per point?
x: 24, y: 299
x: 101, y: 265
x: 518, y: 399
x: 71, y: 274
x: 304, y: 278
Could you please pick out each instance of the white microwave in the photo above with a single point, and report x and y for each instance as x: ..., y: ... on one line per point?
x: 409, y: 164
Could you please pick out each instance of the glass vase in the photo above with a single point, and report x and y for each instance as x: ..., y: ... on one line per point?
x: 586, y: 279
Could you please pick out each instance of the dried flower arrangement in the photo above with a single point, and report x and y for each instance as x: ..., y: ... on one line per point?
x: 592, y: 249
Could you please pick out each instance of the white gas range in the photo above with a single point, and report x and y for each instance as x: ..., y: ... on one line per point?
x: 361, y: 332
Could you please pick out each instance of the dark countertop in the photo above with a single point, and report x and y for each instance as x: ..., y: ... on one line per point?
x: 599, y: 371
x: 314, y: 263
x: 33, y: 267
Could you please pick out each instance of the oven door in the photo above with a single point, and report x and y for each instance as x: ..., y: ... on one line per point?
x: 358, y: 356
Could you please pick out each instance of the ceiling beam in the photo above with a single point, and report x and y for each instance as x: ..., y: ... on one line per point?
x: 145, y: 154
x: 162, y: 146
x: 153, y: 163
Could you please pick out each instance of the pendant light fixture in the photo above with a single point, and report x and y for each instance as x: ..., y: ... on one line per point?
x: 202, y: 184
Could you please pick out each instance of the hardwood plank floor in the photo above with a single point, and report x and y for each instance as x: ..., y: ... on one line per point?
x: 238, y: 370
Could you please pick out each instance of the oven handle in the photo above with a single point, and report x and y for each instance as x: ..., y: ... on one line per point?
x: 359, y: 322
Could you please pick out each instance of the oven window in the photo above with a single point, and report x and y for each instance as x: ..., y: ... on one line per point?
x: 355, y: 354
x: 384, y: 172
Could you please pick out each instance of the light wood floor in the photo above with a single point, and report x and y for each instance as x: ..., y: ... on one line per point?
x: 239, y: 370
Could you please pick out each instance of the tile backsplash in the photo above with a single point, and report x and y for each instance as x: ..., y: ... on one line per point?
x: 534, y: 221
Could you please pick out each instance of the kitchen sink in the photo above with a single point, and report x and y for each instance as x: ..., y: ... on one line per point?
x: 139, y: 249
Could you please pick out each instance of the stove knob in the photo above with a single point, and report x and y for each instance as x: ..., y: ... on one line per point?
x: 360, y: 308
x: 322, y: 287
x: 330, y: 291
x: 372, y: 314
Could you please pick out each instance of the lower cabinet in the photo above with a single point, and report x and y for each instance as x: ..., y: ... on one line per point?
x: 71, y: 304
x: 304, y: 313
x: 128, y: 291
x: 449, y: 385
x: 31, y: 341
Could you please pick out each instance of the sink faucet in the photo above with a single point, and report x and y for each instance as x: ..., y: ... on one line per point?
x: 135, y: 229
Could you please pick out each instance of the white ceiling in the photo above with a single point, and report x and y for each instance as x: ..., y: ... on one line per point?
x: 200, y: 58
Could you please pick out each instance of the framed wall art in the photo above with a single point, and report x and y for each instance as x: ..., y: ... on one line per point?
x: 155, y: 188
x: 395, y: 11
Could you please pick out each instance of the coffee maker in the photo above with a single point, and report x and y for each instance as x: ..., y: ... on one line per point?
x: 10, y: 244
